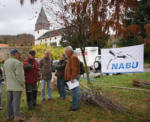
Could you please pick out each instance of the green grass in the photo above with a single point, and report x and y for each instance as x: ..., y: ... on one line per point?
x: 137, y: 102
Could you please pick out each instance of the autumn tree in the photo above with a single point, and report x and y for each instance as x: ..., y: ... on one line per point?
x: 137, y: 20
x: 140, y: 16
x: 86, y: 21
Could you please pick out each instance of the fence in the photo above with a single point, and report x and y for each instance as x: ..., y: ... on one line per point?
x: 5, y: 52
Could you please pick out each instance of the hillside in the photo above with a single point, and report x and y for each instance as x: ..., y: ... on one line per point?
x: 17, y: 40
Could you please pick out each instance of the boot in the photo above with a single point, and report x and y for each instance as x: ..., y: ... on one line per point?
x: 19, y: 119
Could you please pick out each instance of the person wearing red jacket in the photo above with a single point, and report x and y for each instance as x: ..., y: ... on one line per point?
x: 32, y: 76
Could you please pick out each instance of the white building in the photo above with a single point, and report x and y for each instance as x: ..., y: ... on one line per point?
x: 43, y: 34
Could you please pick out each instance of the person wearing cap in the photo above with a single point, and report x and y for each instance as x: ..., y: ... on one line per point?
x: 14, y: 77
x: 32, y: 76
x: 72, y: 72
x: 60, y: 67
x: 46, y: 75
x: 1, y: 80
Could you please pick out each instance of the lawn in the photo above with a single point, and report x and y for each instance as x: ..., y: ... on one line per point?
x: 137, y: 102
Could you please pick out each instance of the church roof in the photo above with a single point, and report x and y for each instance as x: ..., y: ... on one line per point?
x: 42, y: 21
x: 50, y: 34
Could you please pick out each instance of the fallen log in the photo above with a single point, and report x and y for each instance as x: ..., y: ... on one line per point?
x: 92, y: 96
x: 139, y: 83
x: 130, y: 88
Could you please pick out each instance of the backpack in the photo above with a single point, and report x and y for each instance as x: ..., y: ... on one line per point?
x: 82, y: 70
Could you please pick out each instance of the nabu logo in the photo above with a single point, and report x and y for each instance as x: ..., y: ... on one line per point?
x: 120, y: 55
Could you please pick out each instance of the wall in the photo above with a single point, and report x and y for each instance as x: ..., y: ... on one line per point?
x: 5, y: 52
x: 39, y: 33
x: 50, y: 41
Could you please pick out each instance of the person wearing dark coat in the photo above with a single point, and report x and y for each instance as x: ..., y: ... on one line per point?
x: 60, y: 67
x: 32, y: 76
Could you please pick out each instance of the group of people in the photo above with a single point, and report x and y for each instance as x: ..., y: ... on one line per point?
x: 19, y: 75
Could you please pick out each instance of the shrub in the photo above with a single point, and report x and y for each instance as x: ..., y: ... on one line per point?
x: 55, y: 52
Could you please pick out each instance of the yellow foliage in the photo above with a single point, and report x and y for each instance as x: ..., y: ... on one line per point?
x: 55, y: 52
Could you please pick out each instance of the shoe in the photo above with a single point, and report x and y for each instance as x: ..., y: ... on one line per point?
x: 49, y: 99
x: 71, y: 109
x: 18, y: 119
x: 37, y: 105
x: 31, y: 108
x: 43, y: 99
x: 61, y: 98
x: 10, y: 119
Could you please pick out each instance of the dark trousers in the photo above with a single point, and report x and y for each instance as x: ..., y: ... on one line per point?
x: 61, y: 87
x: 31, y: 93
x: 13, y: 104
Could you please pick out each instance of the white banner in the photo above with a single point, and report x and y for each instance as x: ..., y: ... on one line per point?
x: 123, y: 60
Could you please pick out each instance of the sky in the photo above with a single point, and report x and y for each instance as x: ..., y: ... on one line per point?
x: 16, y: 19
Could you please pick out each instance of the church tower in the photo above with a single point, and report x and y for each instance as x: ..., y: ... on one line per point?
x: 42, y: 25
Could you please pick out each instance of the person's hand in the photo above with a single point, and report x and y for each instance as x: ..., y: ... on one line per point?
x: 71, y: 81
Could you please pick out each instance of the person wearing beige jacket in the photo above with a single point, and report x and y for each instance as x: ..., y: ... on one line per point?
x: 72, y: 72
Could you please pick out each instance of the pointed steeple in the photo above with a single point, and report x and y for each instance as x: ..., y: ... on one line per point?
x: 42, y: 22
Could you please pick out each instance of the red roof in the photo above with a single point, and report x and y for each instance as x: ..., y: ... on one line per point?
x: 3, y: 45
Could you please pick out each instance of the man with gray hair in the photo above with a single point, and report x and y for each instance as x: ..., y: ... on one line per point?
x: 46, y: 75
x: 15, y: 80
x: 72, y: 72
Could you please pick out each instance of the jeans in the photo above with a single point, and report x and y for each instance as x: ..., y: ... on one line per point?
x: 61, y: 87
x: 13, y: 104
x: 75, y: 97
x: 49, y: 90
x: 0, y: 94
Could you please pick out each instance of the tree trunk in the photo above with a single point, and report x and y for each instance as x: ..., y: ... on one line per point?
x: 86, y: 67
x: 93, y: 96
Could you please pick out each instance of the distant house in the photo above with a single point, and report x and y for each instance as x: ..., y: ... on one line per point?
x: 51, y: 38
x: 43, y: 34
